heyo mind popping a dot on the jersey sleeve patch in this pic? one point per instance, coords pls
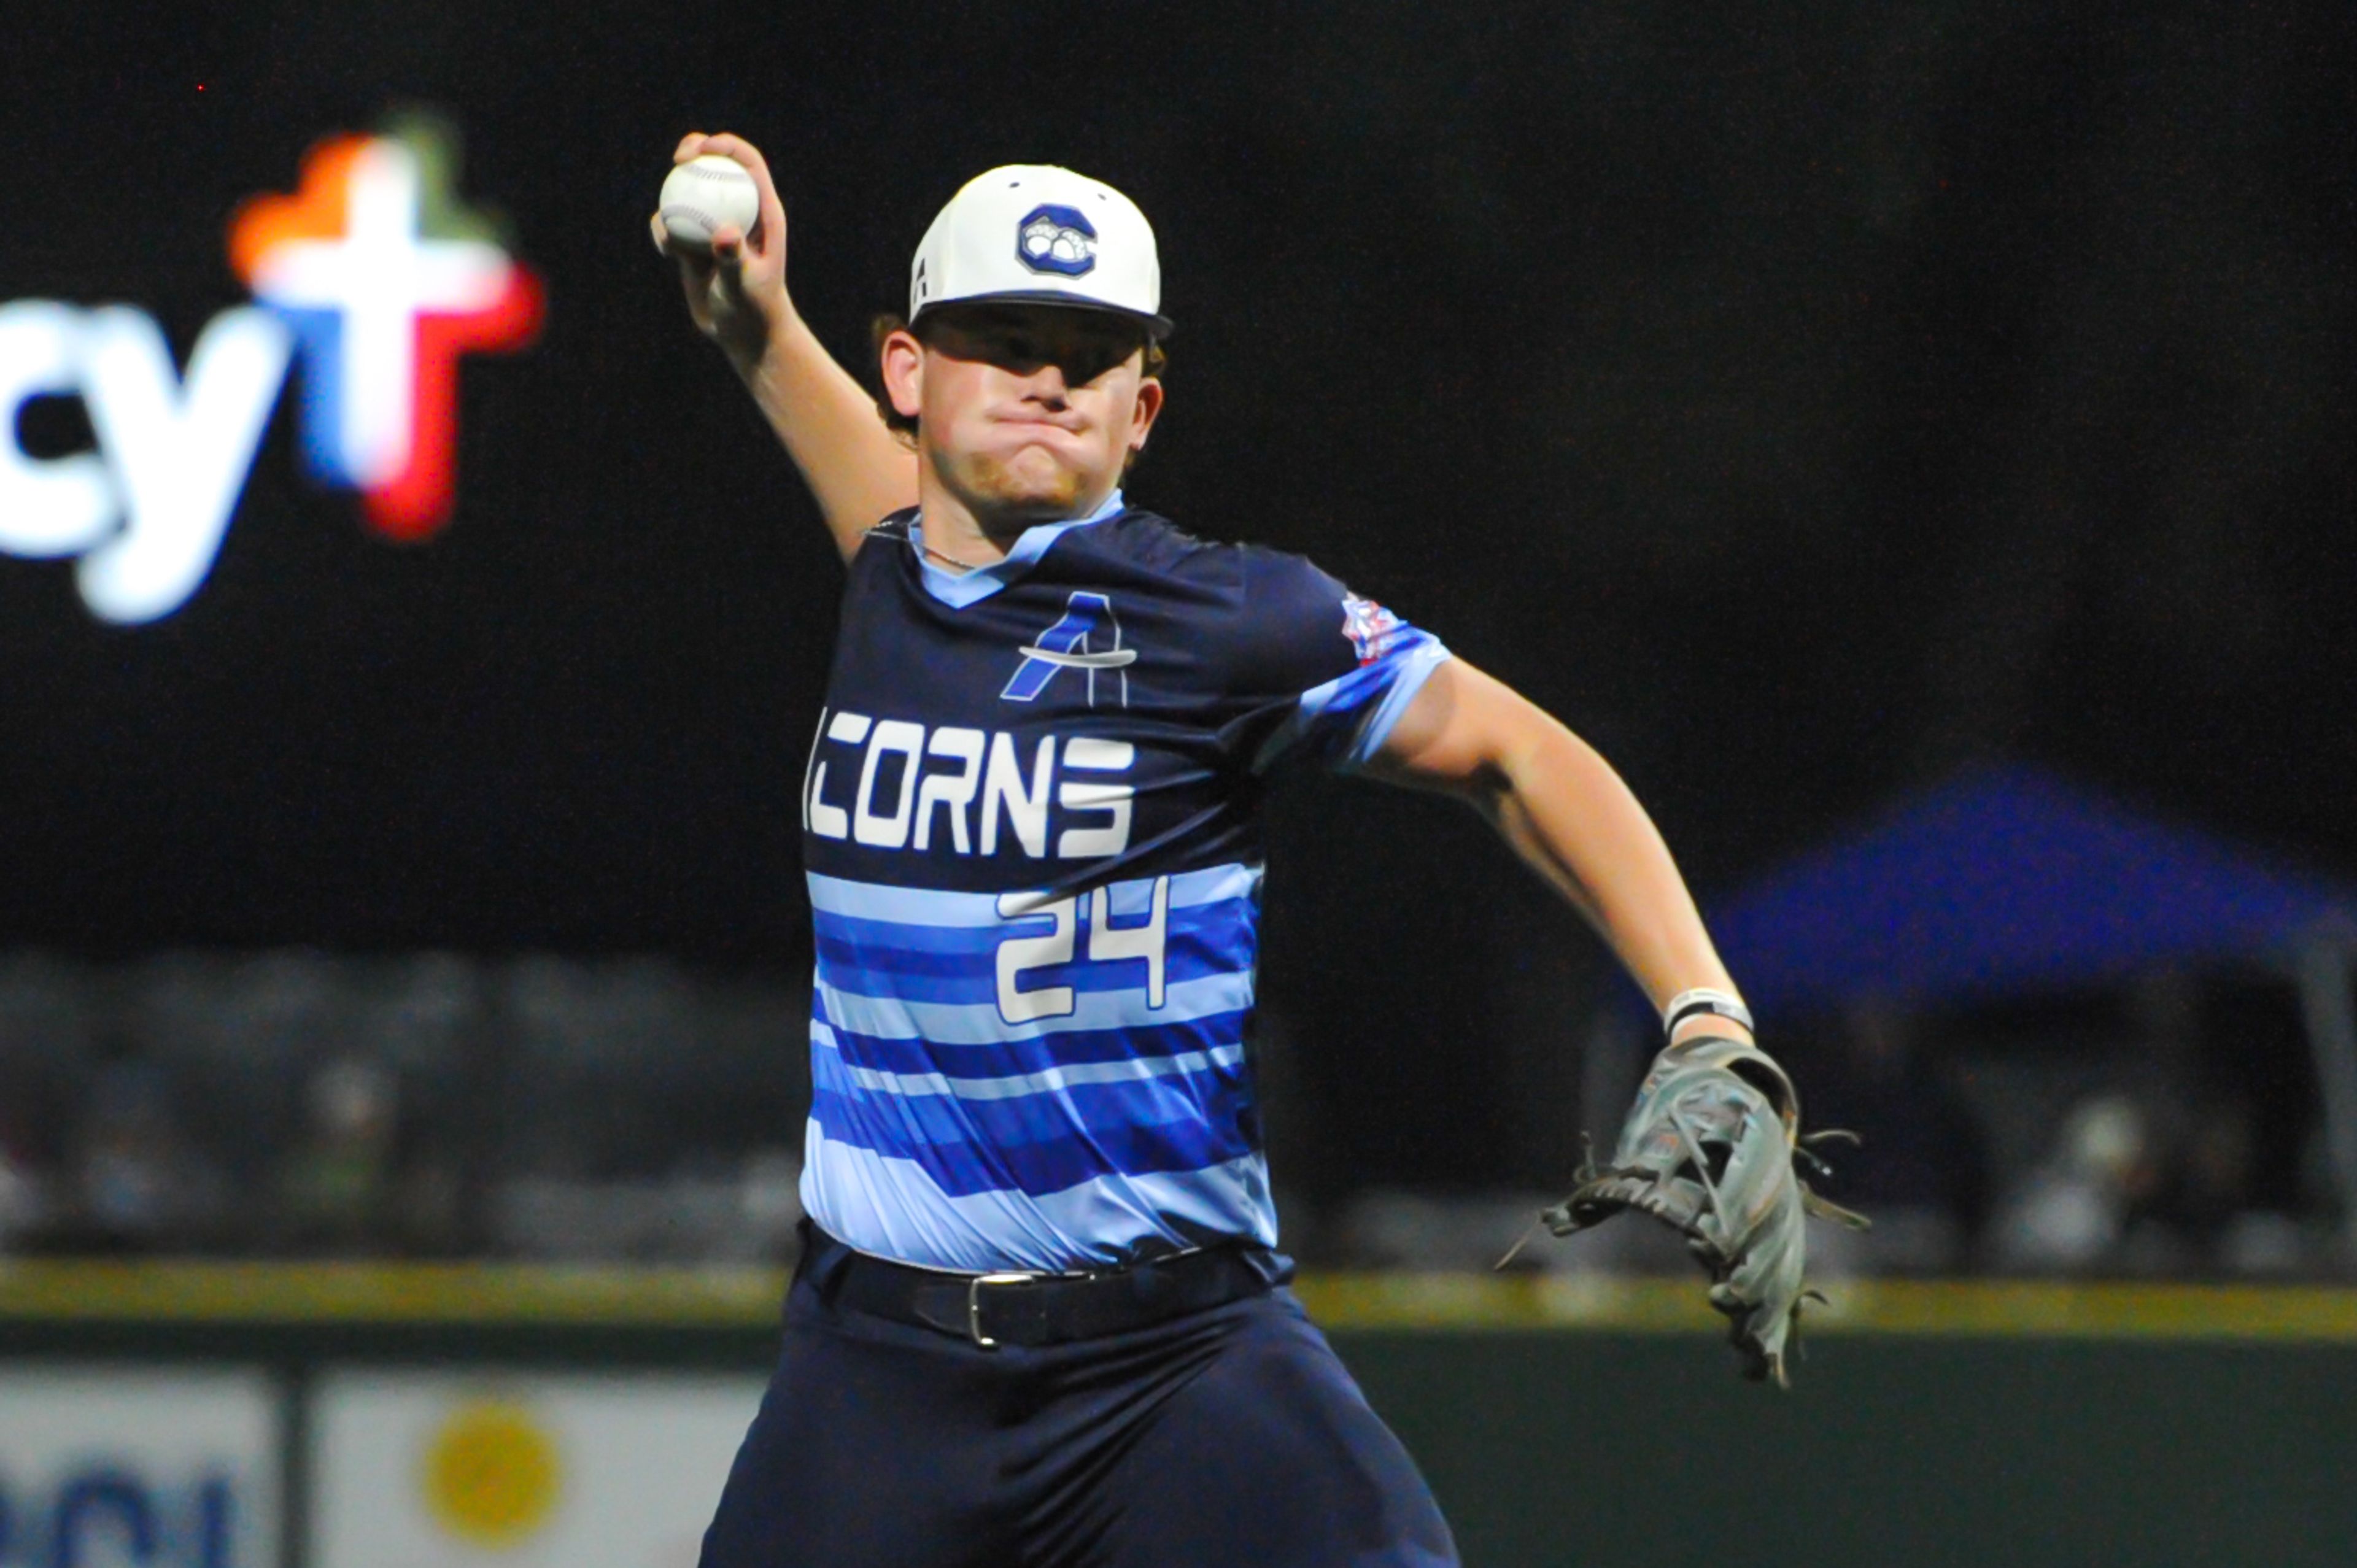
(1345, 722)
(1373, 629)
(1350, 668)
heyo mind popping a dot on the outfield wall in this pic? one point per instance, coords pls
(376, 1417)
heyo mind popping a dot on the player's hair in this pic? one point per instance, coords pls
(904, 426)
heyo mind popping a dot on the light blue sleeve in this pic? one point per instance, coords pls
(1345, 721)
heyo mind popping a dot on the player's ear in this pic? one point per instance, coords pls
(1141, 417)
(903, 368)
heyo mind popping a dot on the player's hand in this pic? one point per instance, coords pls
(736, 291)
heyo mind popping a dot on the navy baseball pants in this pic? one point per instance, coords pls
(1227, 1438)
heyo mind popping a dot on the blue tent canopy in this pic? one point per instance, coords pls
(2003, 881)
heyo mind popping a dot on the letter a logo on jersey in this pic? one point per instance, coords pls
(1067, 645)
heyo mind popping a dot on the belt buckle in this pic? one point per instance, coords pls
(974, 1301)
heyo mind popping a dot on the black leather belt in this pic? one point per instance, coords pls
(1016, 1307)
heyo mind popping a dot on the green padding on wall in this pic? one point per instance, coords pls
(35, 1292)
(1611, 1450)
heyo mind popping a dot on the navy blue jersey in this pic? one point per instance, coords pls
(1033, 833)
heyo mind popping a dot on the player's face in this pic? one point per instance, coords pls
(1026, 413)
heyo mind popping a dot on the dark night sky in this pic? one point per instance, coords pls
(1800, 399)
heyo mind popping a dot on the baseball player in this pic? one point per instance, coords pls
(1041, 1318)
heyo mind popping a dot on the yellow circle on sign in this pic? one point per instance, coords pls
(491, 1474)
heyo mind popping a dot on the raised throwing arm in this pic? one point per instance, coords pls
(856, 469)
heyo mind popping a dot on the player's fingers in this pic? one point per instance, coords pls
(728, 258)
(690, 146)
(770, 229)
(730, 146)
(696, 274)
(661, 235)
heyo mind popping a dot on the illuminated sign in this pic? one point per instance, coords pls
(385, 281)
(372, 273)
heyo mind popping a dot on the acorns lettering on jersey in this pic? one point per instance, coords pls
(963, 787)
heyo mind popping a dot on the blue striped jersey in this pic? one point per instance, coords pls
(1032, 830)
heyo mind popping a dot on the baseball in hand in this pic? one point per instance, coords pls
(702, 194)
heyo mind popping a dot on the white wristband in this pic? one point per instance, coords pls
(1703, 999)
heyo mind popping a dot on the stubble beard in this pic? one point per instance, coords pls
(1011, 494)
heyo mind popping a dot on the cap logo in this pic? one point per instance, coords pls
(1059, 240)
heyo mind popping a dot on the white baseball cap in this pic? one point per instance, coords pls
(1042, 235)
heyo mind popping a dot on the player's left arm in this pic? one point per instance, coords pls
(1566, 813)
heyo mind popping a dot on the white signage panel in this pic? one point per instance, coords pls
(101, 1468)
(449, 1470)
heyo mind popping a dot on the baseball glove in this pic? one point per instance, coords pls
(1710, 1148)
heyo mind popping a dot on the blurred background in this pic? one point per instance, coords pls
(1913, 440)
